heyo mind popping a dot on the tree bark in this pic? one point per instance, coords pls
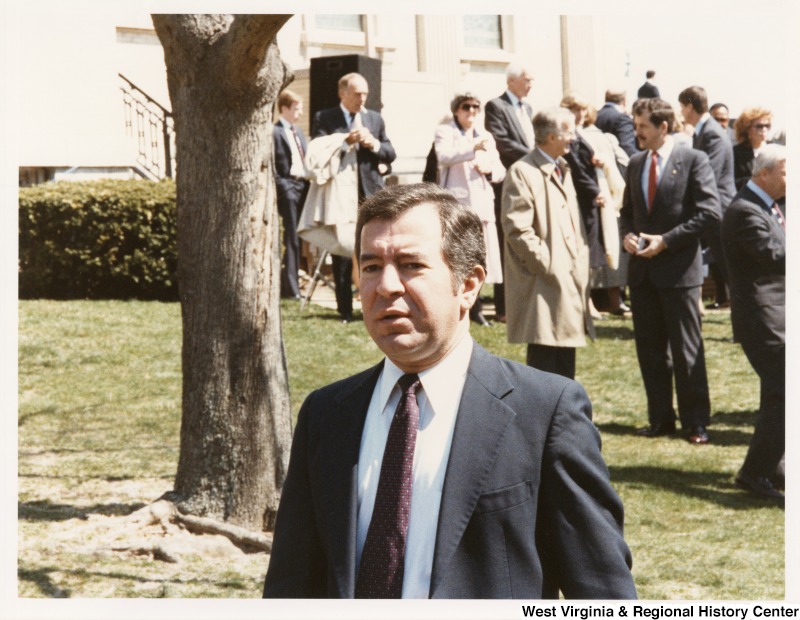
(224, 73)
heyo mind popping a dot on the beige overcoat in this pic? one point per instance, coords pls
(546, 254)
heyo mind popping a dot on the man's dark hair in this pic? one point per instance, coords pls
(696, 97)
(656, 110)
(463, 245)
(650, 74)
(717, 106)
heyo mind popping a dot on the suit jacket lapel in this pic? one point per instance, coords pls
(481, 422)
(343, 429)
(511, 113)
(669, 172)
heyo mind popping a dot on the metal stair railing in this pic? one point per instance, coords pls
(154, 128)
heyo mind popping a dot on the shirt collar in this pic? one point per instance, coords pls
(514, 99)
(438, 381)
(546, 156)
(286, 124)
(699, 127)
(768, 200)
(347, 113)
(665, 150)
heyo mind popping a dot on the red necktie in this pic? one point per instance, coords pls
(777, 211)
(652, 182)
(382, 559)
(559, 174)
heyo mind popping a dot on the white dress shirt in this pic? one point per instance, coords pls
(298, 168)
(663, 157)
(438, 401)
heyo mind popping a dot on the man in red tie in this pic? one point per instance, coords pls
(443, 471)
(670, 201)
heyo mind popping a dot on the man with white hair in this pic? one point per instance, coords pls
(508, 119)
(754, 240)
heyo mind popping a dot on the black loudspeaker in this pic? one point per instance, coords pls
(324, 80)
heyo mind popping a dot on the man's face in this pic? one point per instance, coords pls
(722, 116)
(521, 84)
(407, 298)
(686, 112)
(560, 143)
(774, 181)
(294, 112)
(648, 135)
(354, 96)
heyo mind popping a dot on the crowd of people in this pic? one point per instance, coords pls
(618, 208)
(447, 472)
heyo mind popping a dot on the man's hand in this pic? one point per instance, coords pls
(599, 201)
(353, 137)
(644, 245)
(481, 144)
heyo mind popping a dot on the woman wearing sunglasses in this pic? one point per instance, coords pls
(752, 130)
(468, 165)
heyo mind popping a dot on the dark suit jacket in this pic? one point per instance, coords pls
(713, 141)
(500, 120)
(611, 120)
(584, 178)
(648, 91)
(332, 120)
(743, 157)
(686, 206)
(289, 190)
(755, 248)
(527, 508)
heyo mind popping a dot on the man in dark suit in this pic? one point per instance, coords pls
(754, 238)
(648, 90)
(712, 139)
(363, 130)
(289, 149)
(508, 119)
(613, 119)
(670, 200)
(508, 496)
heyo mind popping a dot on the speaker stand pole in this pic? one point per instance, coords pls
(314, 280)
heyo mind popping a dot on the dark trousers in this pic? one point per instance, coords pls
(289, 208)
(499, 289)
(343, 281)
(669, 342)
(768, 442)
(558, 360)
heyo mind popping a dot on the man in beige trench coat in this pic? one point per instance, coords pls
(546, 250)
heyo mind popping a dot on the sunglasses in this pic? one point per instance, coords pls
(762, 126)
(469, 106)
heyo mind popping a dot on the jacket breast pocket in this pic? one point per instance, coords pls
(505, 498)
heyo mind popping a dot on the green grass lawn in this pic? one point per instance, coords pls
(99, 417)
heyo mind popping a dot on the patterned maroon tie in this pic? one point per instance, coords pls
(652, 182)
(382, 559)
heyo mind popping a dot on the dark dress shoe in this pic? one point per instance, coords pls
(656, 430)
(698, 435)
(758, 485)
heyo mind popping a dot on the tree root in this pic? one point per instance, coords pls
(161, 531)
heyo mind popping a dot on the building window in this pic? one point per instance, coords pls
(483, 31)
(351, 23)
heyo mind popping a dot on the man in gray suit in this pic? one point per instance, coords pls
(478, 478)
(712, 139)
(754, 238)
(508, 119)
(670, 201)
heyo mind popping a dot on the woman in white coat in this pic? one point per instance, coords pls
(468, 165)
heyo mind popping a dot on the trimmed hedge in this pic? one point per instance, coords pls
(98, 239)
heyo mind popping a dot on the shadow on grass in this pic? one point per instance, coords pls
(41, 577)
(719, 430)
(613, 332)
(716, 487)
(44, 510)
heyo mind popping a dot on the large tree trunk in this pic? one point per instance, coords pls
(224, 73)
